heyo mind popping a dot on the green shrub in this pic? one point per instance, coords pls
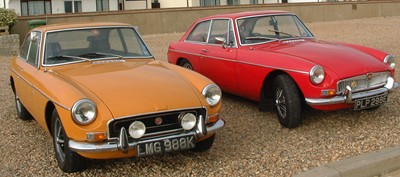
(8, 17)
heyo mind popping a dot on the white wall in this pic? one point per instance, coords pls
(131, 5)
(173, 3)
(15, 4)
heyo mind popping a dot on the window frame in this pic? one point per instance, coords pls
(27, 7)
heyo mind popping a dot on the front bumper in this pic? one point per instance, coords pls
(122, 144)
(349, 96)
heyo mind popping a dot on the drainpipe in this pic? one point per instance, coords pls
(4, 1)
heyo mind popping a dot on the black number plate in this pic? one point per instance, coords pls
(165, 145)
(369, 102)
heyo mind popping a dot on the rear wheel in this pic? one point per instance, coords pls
(68, 160)
(22, 113)
(204, 145)
(186, 64)
(287, 101)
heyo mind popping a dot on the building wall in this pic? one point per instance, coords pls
(16, 5)
(173, 4)
(164, 20)
(135, 5)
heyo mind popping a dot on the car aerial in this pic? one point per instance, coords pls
(96, 88)
(271, 57)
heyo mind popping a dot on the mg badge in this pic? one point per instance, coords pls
(158, 121)
(354, 84)
(369, 76)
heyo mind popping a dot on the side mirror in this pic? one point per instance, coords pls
(34, 36)
(222, 41)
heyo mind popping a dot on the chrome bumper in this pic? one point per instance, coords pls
(349, 96)
(122, 144)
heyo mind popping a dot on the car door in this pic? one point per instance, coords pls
(26, 67)
(219, 55)
(194, 45)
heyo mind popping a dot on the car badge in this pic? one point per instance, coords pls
(158, 121)
(353, 84)
(369, 76)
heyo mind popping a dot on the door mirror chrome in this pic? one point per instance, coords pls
(222, 41)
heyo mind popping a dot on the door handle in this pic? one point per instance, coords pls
(204, 50)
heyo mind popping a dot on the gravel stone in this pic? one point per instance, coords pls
(252, 143)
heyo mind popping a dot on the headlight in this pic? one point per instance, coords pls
(188, 120)
(212, 93)
(84, 112)
(389, 59)
(137, 129)
(317, 74)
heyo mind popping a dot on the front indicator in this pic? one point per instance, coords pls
(329, 92)
(95, 136)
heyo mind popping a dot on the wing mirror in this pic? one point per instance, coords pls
(34, 36)
(222, 41)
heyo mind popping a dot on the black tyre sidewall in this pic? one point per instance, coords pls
(204, 145)
(186, 62)
(22, 113)
(292, 100)
(72, 162)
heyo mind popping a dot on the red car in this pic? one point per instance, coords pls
(271, 57)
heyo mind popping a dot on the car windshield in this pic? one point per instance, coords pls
(262, 29)
(77, 45)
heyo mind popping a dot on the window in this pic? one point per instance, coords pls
(253, 1)
(233, 2)
(200, 32)
(102, 5)
(29, 50)
(73, 6)
(35, 7)
(210, 2)
(222, 29)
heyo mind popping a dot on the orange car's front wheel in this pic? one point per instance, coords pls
(68, 160)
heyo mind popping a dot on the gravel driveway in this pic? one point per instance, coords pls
(251, 144)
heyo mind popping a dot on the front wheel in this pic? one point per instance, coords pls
(22, 113)
(68, 160)
(186, 64)
(204, 145)
(287, 101)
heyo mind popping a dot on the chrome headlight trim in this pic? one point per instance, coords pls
(212, 94)
(188, 120)
(137, 129)
(317, 74)
(84, 112)
(389, 60)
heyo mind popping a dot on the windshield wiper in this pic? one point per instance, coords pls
(100, 54)
(68, 57)
(281, 32)
(260, 38)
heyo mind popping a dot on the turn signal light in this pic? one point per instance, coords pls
(213, 119)
(96, 136)
(329, 92)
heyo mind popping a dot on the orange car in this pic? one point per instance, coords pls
(99, 92)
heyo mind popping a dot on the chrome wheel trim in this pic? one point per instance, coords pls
(59, 140)
(188, 66)
(280, 103)
(18, 105)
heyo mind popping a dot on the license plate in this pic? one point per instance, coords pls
(165, 145)
(369, 102)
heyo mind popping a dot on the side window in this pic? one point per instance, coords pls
(200, 32)
(33, 56)
(30, 48)
(25, 47)
(219, 29)
(231, 36)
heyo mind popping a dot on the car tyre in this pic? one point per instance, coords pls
(204, 145)
(186, 64)
(287, 101)
(68, 160)
(22, 113)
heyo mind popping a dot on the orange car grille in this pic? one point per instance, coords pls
(170, 123)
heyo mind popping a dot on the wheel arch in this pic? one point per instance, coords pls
(266, 101)
(179, 61)
(48, 114)
(12, 84)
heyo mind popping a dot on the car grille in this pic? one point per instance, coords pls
(170, 123)
(363, 82)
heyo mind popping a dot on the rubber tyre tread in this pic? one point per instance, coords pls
(204, 145)
(73, 162)
(293, 103)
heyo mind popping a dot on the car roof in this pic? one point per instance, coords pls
(246, 14)
(62, 26)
